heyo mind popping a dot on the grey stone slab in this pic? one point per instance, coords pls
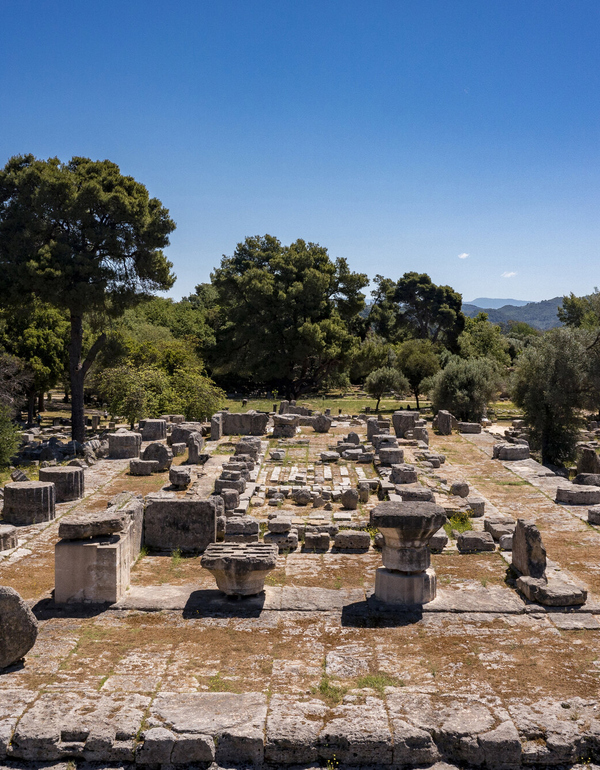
(236, 721)
(476, 599)
(571, 622)
(357, 735)
(293, 728)
(87, 725)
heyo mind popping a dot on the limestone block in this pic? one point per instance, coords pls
(195, 444)
(349, 499)
(438, 541)
(154, 430)
(473, 542)
(421, 434)
(469, 427)
(178, 449)
(476, 505)
(280, 524)
(224, 483)
(18, 627)
(81, 526)
(186, 524)
(511, 452)
(403, 474)
(588, 461)
(404, 588)
(69, 482)
(241, 529)
(445, 422)
(578, 495)
(384, 441)
(459, 488)
(391, 456)
(143, 467)
(316, 541)
(403, 422)
(285, 541)
(593, 516)
(240, 570)
(528, 552)
(94, 571)
(497, 527)
(284, 426)
(124, 444)
(8, 537)
(249, 423)
(180, 476)
(505, 542)
(364, 490)
(302, 496)
(352, 540)
(182, 431)
(415, 493)
(321, 423)
(216, 427)
(28, 502)
(161, 453)
(352, 438)
(551, 593)
(279, 454)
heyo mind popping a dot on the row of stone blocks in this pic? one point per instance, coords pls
(33, 502)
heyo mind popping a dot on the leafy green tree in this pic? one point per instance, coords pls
(580, 312)
(385, 380)
(370, 354)
(84, 238)
(551, 385)
(196, 395)
(417, 360)
(135, 392)
(284, 314)
(37, 334)
(416, 307)
(482, 339)
(9, 436)
(465, 387)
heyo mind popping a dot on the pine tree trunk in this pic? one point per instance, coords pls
(76, 377)
(30, 406)
(77, 372)
(41, 401)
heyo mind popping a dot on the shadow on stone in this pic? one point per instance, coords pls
(210, 603)
(47, 608)
(374, 614)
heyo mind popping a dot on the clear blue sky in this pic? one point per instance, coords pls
(397, 134)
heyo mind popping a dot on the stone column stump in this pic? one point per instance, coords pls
(154, 430)
(124, 445)
(28, 502)
(406, 577)
(240, 569)
(69, 482)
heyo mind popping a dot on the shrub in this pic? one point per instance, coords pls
(465, 387)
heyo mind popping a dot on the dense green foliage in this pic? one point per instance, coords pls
(551, 384)
(83, 238)
(385, 380)
(285, 314)
(417, 360)
(9, 436)
(465, 387)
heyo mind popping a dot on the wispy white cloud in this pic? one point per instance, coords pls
(464, 255)
(506, 274)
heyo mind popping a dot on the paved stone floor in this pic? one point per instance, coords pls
(315, 667)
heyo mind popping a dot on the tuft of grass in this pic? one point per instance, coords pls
(332, 694)
(176, 558)
(460, 521)
(217, 684)
(379, 682)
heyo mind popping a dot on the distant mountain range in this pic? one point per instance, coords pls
(486, 302)
(540, 315)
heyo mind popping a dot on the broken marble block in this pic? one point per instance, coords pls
(316, 541)
(349, 499)
(178, 449)
(473, 542)
(180, 476)
(528, 552)
(154, 430)
(593, 516)
(240, 569)
(403, 474)
(459, 488)
(28, 502)
(18, 627)
(142, 467)
(241, 529)
(69, 482)
(578, 495)
(161, 453)
(476, 506)
(438, 541)
(551, 593)
(352, 540)
(391, 455)
(511, 452)
(124, 444)
(499, 526)
(8, 537)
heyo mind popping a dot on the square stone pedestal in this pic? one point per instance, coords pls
(408, 589)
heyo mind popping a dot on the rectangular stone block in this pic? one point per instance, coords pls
(175, 523)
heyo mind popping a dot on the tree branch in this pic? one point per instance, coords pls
(93, 352)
